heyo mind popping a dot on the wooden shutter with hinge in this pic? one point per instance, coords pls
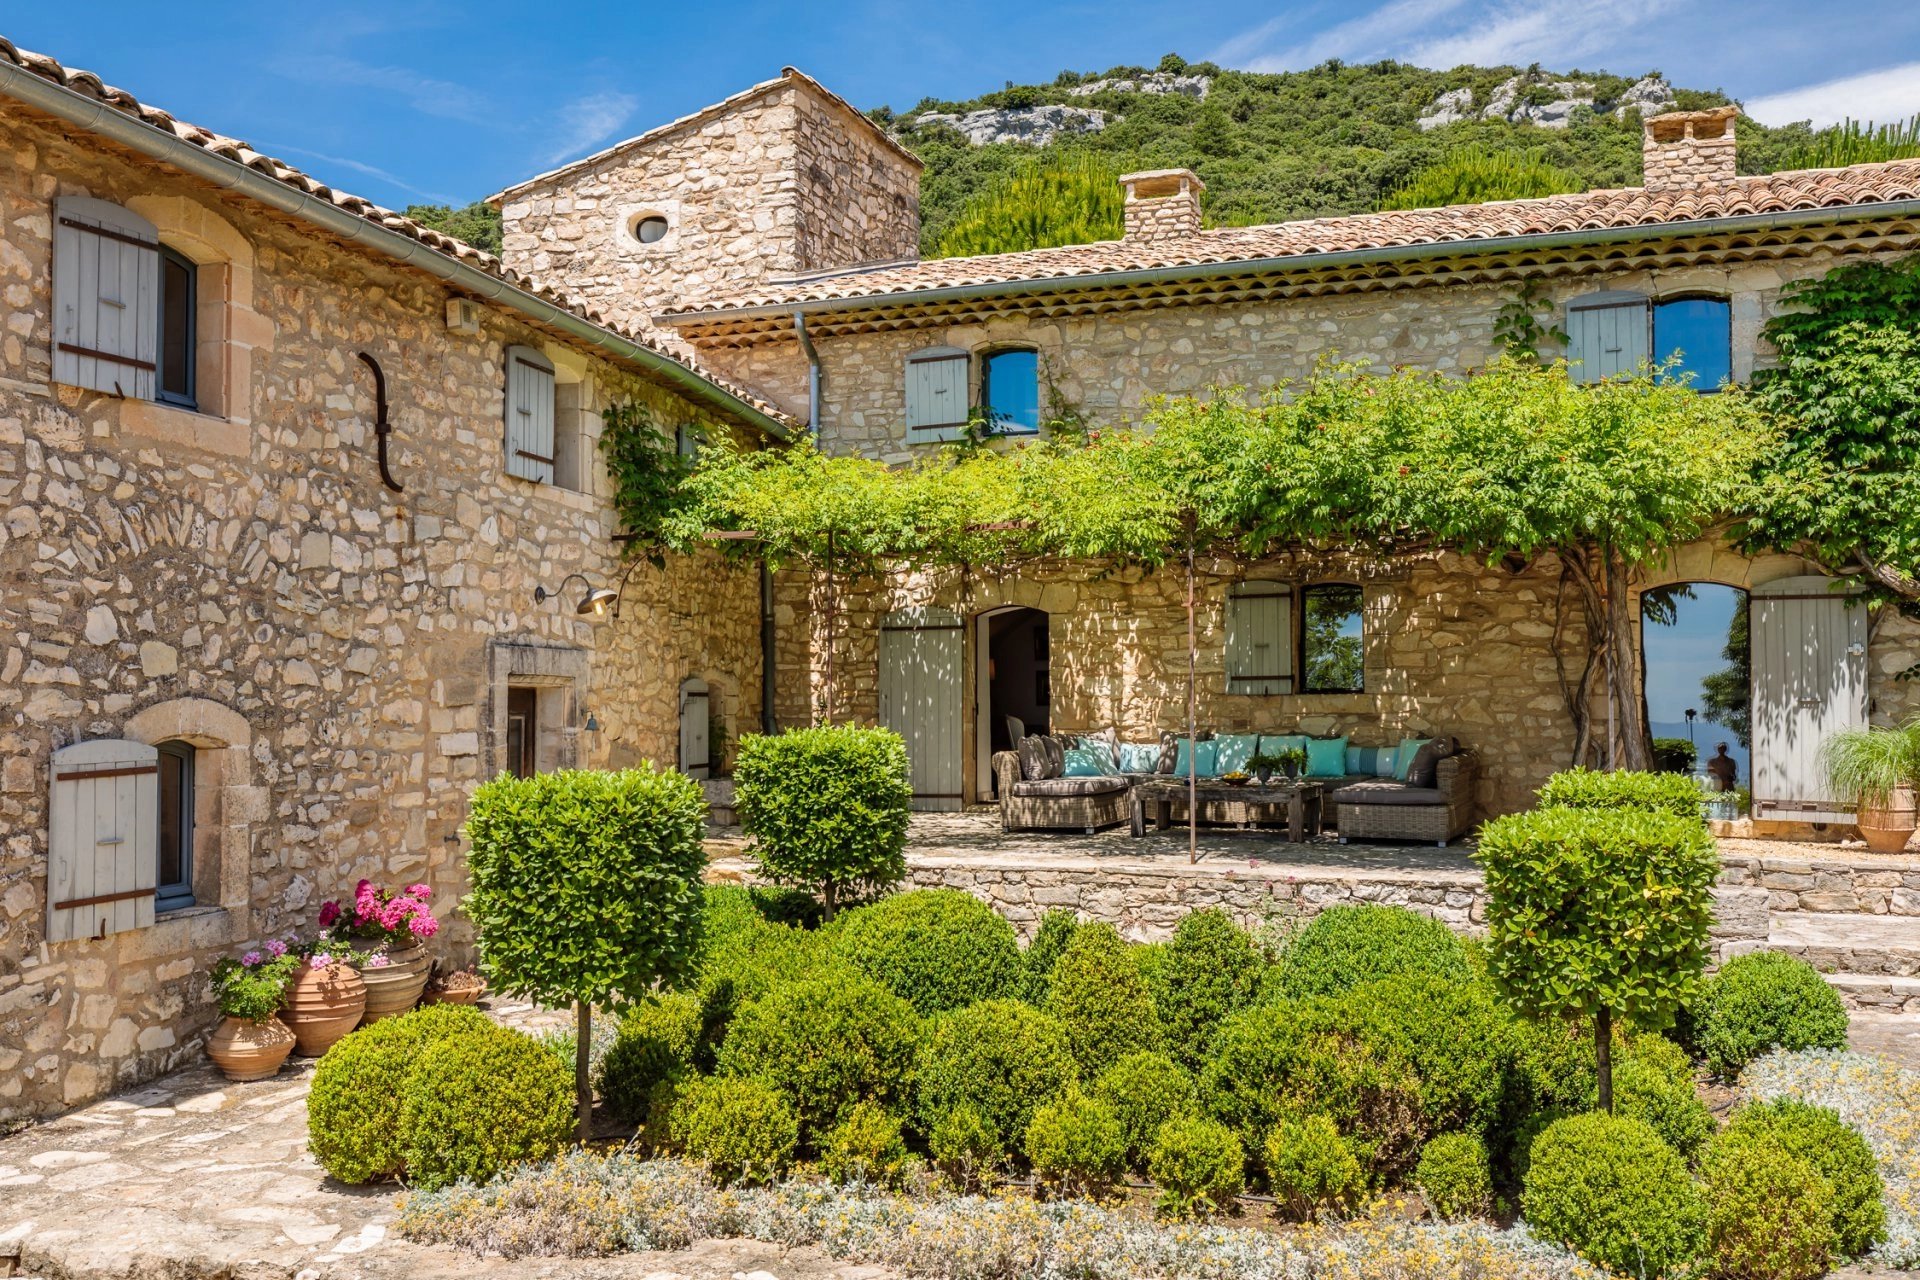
(103, 828)
(529, 442)
(936, 394)
(1609, 335)
(106, 297)
(1259, 638)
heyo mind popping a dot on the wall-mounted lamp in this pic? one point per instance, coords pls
(592, 725)
(595, 601)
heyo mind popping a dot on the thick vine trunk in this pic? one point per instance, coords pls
(582, 1077)
(1193, 721)
(1629, 741)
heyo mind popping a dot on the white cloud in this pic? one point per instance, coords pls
(1358, 38)
(589, 120)
(425, 94)
(358, 166)
(1884, 96)
(1447, 33)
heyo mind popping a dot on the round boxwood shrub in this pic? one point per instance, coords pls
(998, 1058)
(1199, 1166)
(1145, 1091)
(1456, 1037)
(1609, 1189)
(742, 1130)
(1835, 1150)
(1280, 1061)
(480, 1101)
(1766, 1000)
(937, 949)
(1769, 1213)
(1057, 928)
(1345, 946)
(1650, 1091)
(1582, 788)
(825, 1045)
(1100, 998)
(866, 1147)
(965, 1148)
(658, 1038)
(353, 1110)
(1074, 1145)
(1208, 972)
(1455, 1176)
(1311, 1170)
(744, 955)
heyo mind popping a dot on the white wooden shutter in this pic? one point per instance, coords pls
(1809, 648)
(103, 830)
(936, 394)
(1260, 638)
(922, 679)
(1608, 335)
(106, 297)
(695, 744)
(529, 442)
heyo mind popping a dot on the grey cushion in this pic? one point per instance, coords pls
(1070, 786)
(1035, 760)
(1421, 772)
(1056, 755)
(1386, 791)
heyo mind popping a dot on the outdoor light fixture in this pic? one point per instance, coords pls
(592, 725)
(594, 602)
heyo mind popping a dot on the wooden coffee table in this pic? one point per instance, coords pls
(1303, 801)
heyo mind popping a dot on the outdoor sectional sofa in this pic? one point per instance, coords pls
(1432, 802)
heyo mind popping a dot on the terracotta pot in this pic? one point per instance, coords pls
(455, 995)
(249, 1050)
(395, 987)
(323, 1005)
(1887, 828)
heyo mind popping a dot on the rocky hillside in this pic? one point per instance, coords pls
(1335, 139)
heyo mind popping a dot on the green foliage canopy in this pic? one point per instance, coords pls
(1475, 175)
(1069, 198)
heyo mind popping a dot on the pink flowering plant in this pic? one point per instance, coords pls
(389, 920)
(255, 986)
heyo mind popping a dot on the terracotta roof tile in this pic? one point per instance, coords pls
(645, 334)
(1865, 184)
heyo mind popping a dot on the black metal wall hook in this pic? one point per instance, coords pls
(381, 427)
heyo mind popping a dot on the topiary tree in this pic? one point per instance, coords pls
(826, 807)
(1610, 1190)
(586, 887)
(353, 1110)
(866, 1148)
(1579, 788)
(1199, 1166)
(998, 1059)
(1345, 946)
(1311, 1170)
(1208, 972)
(1056, 930)
(1598, 915)
(938, 949)
(1765, 1000)
(657, 1040)
(1769, 1214)
(1075, 1146)
(742, 1130)
(479, 1102)
(1100, 998)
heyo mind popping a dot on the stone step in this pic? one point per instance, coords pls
(1877, 992)
(1850, 943)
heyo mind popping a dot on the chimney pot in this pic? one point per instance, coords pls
(1162, 204)
(1682, 150)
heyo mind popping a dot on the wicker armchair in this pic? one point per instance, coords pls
(1057, 804)
(1393, 811)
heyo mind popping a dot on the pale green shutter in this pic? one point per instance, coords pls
(936, 394)
(1609, 335)
(1260, 638)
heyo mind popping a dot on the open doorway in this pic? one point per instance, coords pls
(1014, 656)
(1694, 636)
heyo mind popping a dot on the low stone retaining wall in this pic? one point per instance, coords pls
(1873, 884)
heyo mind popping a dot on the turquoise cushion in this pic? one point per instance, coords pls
(1206, 761)
(1088, 762)
(1274, 743)
(1403, 758)
(1235, 749)
(1384, 761)
(1326, 757)
(1139, 757)
(1361, 761)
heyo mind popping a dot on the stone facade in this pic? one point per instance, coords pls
(776, 182)
(339, 656)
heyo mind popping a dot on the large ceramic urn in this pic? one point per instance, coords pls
(395, 985)
(324, 1004)
(249, 1050)
(1887, 827)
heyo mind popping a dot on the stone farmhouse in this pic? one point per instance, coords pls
(304, 528)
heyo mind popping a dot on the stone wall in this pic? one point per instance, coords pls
(778, 182)
(338, 654)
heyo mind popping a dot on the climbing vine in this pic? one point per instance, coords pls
(1519, 328)
(649, 474)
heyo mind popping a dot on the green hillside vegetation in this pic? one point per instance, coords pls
(1072, 197)
(1858, 142)
(1475, 175)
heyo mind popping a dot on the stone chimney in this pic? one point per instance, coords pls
(1162, 204)
(1682, 150)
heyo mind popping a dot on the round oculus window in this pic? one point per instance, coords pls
(650, 229)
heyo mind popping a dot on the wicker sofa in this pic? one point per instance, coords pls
(1057, 804)
(1382, 809)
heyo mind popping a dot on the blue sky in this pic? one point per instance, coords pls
(408, 102)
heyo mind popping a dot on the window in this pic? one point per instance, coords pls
(1332, 637)
(1010, 391)
(936, 394)
(106, 278)
(1259, 643)
(650, 228)
(529, 426)
(1606, 336)
(1699, 331)
(173, 883)
(173, 380)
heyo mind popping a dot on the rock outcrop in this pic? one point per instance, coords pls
(1036, 126)
(1195, 87)
(1547, 102)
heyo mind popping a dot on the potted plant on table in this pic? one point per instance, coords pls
(393, 928)
(1877, 770)
(251, 1042)
(1263, 764)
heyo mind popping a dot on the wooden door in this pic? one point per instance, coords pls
(695, 746)
(523, 732)
(921, 681)
(1809, 682)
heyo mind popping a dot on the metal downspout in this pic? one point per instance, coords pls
(769, 667)
(813, 374)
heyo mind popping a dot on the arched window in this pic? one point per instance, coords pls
(1332, 639)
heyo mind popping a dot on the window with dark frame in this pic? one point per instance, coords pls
(1010, 391)
(1332, 639)
(173, 379)
(173, 883)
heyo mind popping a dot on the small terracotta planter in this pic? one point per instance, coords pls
(1887, 828)
(395, 987)
(323, 1005)
(247, 1050)
(467, 988)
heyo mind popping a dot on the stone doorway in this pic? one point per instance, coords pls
(1013, 653)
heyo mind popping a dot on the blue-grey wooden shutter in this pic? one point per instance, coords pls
(106, 297)
(936, 394)
(529, 442)
(1608, 335)
(1260, 638)
(103, 831)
